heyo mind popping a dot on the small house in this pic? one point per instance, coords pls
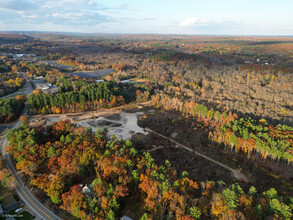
(125, 218)
(87, 191)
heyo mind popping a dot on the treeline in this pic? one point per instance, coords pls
(129, 91)
(85, 65)
(91, 97)
(14, 83)
(82, 64)
(14, 39)
(69, 60)
(76, 95)
(10, 82)
(52, 56)
(171, 56)
(62, 159)
(259, 68)
(72, 61)
(5, 66)
(33, 69)
(250, 135)
(244, 134)
(11, 108)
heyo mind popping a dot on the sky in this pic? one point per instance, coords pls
(194, 17)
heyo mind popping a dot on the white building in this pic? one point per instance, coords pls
(99, 80)
(125, 218)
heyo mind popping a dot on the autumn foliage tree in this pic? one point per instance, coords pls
(94, 176)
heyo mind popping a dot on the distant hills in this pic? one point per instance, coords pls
(6, 38)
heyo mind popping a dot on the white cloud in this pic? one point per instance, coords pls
(55, 12)
(188, 22)
(122, 5)
(31, 16)
(199, 22)
(16, 5)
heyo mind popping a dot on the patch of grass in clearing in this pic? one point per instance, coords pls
(3, 190)
(7, 200)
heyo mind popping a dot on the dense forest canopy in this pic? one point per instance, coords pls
(229, 97)
(77, 95)
(11, 108)
(60, 157)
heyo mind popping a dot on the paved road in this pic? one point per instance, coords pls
(3, 127)
(18, 92)
(34, 205)
(28, 86)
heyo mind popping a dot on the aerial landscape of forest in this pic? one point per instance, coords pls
(143, 124)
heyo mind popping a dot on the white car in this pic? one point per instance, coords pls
(18, 210)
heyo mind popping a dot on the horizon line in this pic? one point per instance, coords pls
(107, 33)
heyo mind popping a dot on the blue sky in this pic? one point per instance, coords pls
(215, 17)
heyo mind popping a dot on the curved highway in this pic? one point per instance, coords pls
(33, 204)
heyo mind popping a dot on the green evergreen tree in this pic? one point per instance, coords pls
(144, 217)
(195, 212)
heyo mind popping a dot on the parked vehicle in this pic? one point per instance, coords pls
(18, 210)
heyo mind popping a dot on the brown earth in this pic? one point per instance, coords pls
(195, 136)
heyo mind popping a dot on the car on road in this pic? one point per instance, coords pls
(18, 210)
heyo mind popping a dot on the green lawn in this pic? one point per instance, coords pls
(3, 190)
(6, 197)
(7, 200)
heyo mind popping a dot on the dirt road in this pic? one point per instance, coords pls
(235, 173)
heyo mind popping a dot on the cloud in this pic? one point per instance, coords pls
(56, 12)
(122, 5)
(16, 5)
(195, 22)
(195, 25)
(188, 22)
(31, 16)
